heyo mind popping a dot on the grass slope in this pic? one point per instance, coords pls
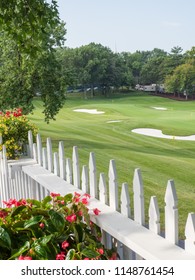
(158, 159)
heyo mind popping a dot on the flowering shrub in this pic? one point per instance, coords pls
(58, 227)
(14, 129)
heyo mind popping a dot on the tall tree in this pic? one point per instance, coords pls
(29, 34)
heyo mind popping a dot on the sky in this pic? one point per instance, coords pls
(129, 25)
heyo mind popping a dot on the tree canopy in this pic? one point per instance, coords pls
(30, 31)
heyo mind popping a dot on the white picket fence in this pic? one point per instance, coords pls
(43, 172)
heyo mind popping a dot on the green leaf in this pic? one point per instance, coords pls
(70, 254)
(57, 220)
(89, 253)
(17, 210)
(41, 251)
(33, 221)
(45, 239)
(68, 198)
(79, 234)
(5, 240)
(46, 200)
(23, 249)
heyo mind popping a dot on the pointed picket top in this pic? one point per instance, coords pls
(56, 164)
(190, 234)
(171, 195)
(76, 169)
(39, 149)
(171, 213)
(62, 160)
(92, 175)
(103, 197)
(49, 154)
(69, 178)
(85, 179)
(113, 186)
(154, 215)
(44, 151)
(138, 197)
(30, 143)
(125, 201)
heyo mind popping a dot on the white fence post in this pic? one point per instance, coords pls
(30, 143)
(76, 169)
(171, 213)
(62, 160)
(125, 201)
(190, 234)
(92, 176)
(154, 215)
(138, 190)
(113, 186)
(103, 192)
(49, 154)
(69, 170)
(85, 179)
(39, 149)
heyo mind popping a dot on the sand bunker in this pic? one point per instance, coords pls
(158, 133)
(160, 108)
(89, 111)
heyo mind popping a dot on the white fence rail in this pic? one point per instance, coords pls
(44, 172)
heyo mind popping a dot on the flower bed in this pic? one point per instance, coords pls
(14, 127)
(56, 228)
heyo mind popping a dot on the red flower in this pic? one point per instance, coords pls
(96, 211)
(22, 258)
(65, 244)
(60, 256)
(71, 218)
(101, 251)
(41, 225)
(54, 194)
(84, 200)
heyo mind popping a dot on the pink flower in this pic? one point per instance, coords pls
(54, 194)
(84, 200)
(22, 258)
(87, 195)
(96, 211)
(41, 225)
(60, 256)
(65, 244)
(71, 218)
(101, 251)
(86, 259)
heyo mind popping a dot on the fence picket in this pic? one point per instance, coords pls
(76, 169)
(171, 213)
(138, 198)
(103, 196)
(69, 171)
(125, 201)
(113, 186)
(190, 234)
(45, 163)
(92, 176)
(56, 164)
(85, 179)
(39, 149)
(49, 154)
(154, 215)
(30, 143)
(62, 161)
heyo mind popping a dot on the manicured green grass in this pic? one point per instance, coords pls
(158, 159)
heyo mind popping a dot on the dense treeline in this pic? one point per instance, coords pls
(34, 59)
(94, 65)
